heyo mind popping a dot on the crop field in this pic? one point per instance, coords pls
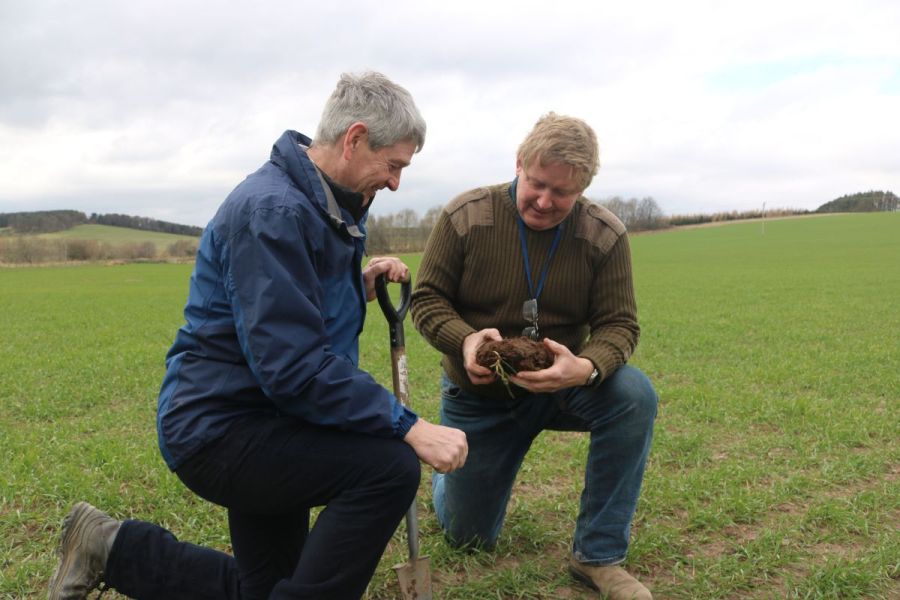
(775, 468)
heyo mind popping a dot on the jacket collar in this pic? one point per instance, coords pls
(289, 153)
(334, 205)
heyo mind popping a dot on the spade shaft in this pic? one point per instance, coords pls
(415, 574)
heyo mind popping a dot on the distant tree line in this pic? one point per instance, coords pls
(145, 224)
(50, 221)
(734, 215)
(42, 221)
(870, 201)
(400, 232)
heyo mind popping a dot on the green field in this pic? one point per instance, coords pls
(118, 235)
(775, 465)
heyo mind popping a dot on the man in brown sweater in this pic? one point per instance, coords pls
(534, 257)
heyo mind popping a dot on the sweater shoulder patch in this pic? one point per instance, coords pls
(600, 226)
(470, 209)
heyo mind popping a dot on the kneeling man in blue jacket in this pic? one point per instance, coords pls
(264, 409)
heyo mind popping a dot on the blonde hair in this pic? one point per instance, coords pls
(566, 140)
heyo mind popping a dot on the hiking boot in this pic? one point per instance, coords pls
(613, 582)
(86, 539)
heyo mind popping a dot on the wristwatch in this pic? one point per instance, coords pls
(592, 377)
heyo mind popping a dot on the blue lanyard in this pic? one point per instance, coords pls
(528, 263)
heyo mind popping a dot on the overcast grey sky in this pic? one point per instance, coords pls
(160, 108)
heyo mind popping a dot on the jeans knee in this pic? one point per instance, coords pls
(468, 534)
(636, 392)
(464, 529)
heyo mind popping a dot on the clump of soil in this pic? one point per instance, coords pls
(515, 354)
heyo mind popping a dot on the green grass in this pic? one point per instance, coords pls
(118, 235)
(774, 470)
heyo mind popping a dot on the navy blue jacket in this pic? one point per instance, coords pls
(273, 316)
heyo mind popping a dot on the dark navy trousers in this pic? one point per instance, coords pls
(268, 472)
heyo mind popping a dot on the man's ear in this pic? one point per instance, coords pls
(357, 133)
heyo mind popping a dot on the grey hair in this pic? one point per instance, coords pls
(386, 108)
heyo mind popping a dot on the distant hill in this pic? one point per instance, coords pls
(871, 201)
(110, 234)
(49, 221)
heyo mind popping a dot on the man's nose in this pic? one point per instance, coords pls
(543, 201)
(393, 182)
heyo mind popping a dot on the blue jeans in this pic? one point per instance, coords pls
(471, 503)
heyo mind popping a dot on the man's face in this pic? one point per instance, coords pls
(371, 170)
(545, 194)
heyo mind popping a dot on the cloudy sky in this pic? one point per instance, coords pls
(159, 108)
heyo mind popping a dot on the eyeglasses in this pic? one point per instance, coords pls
(530, 314)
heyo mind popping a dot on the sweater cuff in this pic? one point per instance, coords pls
(606, 363)
(451, 335)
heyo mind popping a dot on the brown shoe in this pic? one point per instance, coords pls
(613, 582)
(86, 539)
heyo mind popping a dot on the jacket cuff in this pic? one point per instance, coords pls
(407, 419)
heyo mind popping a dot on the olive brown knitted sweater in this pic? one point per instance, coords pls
(472, 277)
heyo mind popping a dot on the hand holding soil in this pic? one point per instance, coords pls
(507, 357)
(567, 370)
(478, 374)
(545, 366)
(513, 355)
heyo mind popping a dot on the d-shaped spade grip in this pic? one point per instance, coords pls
(394, 315)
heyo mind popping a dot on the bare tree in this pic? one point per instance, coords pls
(637, 214)
(430, 219)
(648, 214)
